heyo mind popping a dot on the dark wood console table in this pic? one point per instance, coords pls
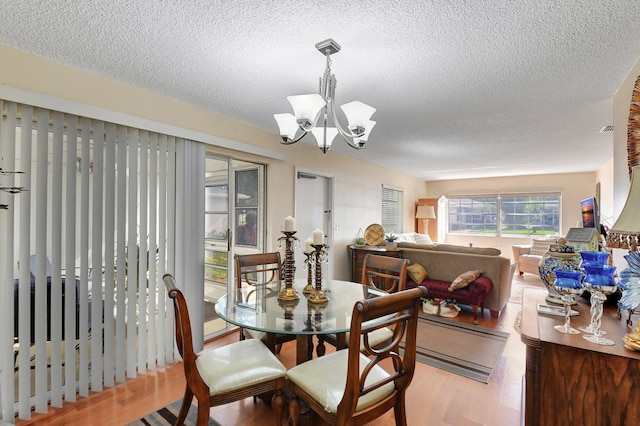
(357, 254)
(569, 380)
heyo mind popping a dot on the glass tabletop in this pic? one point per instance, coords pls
(258, 308)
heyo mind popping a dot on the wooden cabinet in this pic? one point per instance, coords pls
(357, 255)
(571, 381)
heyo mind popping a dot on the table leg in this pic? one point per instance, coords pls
(304, 348)
(271, 342)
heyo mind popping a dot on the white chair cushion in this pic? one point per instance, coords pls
(324, 379)
(375, 337)
(237, 365)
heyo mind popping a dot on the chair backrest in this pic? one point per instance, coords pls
(257, 269)
(386, 273)
(401, 310)
(184, 338)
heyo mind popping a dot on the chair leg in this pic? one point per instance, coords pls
(475, 314)
(186, 404)
(277, 404)
(294, 410)
(399, 411)
(203, 413)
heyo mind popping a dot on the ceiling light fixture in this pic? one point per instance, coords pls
(312, 112)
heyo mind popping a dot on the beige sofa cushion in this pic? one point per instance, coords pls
(487, 251)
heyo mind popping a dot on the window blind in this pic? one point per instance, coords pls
(97, 222)
(392, 219)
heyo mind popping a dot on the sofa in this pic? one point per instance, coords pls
(445, 262)
(528, 256)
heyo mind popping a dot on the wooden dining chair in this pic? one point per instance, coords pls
(385, 273)
(226, 374)
(351, 388)
(255, 270)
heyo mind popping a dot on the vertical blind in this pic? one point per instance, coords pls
(82, 253)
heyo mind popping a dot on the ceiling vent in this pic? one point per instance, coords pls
(607, 129)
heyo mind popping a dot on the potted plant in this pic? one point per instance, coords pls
(359, 240)
(390, 239)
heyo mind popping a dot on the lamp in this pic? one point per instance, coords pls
(425, 213)
(314, 109)
(625, 233)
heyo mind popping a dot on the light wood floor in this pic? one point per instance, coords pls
(435, 397)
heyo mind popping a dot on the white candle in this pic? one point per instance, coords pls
(289, 224)
(308, 247)
(318, 236)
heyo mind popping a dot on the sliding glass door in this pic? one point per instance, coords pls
(234, 223)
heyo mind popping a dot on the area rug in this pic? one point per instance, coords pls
(168, 415)
(519, 283)
(468, 350)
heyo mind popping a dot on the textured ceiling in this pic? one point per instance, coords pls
(463, 88)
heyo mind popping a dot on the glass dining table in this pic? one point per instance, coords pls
(258, 308)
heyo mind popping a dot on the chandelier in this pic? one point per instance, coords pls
(312, 112)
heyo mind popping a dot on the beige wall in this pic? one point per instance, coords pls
(573, 187)
(357, 184)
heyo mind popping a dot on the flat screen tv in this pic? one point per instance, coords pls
(590, 213)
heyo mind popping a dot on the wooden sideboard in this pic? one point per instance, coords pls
(569, 380)
(357, 254)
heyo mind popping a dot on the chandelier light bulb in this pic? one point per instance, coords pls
(306, 109)
(287, 125)
(358, 115)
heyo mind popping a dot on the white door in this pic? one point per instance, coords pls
(314, 202)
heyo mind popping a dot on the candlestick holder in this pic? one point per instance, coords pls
(288, 293)
(308, 289)
(318, 296)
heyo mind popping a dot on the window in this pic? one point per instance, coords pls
(512, 214)
(247, 229)
(392, 210)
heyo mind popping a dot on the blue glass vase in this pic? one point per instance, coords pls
(594, 257)
(568, 283)
(600, 283)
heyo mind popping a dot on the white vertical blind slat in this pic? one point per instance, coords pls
(83, 334)
(7, 223)
(70, 258)
(132, 261)
(24, 297)
(143, 250)
(121, 233)
(164, 341)
(153, 282)
(171, 349)
(56, 261)
(96, 255)
(109, 266)
(42, 152)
